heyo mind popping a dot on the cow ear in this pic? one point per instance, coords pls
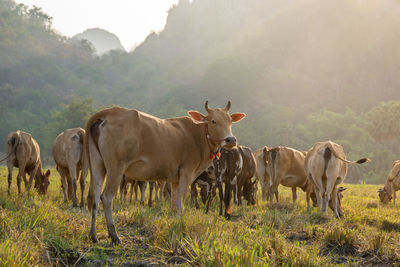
(236, 117)
(47, 173)
(197, 116)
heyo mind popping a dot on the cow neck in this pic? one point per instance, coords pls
(388, 188)
(212, 145)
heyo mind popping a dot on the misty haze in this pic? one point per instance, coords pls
(302, 71)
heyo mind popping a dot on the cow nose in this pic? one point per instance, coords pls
(230, 140)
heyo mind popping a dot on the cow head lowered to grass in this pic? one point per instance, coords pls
(126, 141)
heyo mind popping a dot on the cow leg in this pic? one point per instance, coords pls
(142, 186)
(130, 192)
(162, 188)
(234, 189)
(228, 197)
(96, 183)
(394, 197)
(156, 190)
(334, 202)
(318, 188)
(210, 195)
(122, 187)
(113, 181)
(182, 190)
(31, 177)
(151, 193)
(64, 184)
(239, 192)
(72, 173)
(193, 195)
(136, 188)
(221, 194)
(82, 184)
(174, 196)
(294, 195)
(21, 173)
(10, 169)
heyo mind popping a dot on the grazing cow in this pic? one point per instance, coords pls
(245, 186)
(24, 153)
(326, 166)
(134, 185)
(144, 147)
(262, 173)
(206, 182)
(68, 156)
(227, 169)
(286, 167)
(392, 184)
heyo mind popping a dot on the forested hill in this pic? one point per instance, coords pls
(303, 71)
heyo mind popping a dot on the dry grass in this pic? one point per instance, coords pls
(36, 230)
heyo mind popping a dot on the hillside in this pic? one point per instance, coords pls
(102, 40)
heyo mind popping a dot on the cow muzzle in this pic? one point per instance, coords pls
(229, 142)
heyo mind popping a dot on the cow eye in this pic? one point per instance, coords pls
(213, 122)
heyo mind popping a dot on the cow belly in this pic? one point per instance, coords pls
(147, 171)
(292, 181)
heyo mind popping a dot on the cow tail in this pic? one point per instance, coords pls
(13, 142)
(272, 155)
(334, 152)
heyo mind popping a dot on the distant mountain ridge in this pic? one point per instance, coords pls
(103, 41)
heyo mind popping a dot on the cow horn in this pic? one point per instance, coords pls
(341, 189)
(206, 106)
(228, 106)
(381, 190)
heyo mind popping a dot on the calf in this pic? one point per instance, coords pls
(227, 169)
(326, 167)
(392, 184)
(68, 156)
(286, 167)
(245, 186)
(23, 152)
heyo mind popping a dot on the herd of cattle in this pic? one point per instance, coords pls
(198, 150)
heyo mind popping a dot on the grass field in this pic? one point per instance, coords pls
(42, 230)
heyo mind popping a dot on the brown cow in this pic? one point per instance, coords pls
(392, 184)
(68, 156)
(144, 147)
(326, 166)
(286, 167)
(262, 173)
(23, 152)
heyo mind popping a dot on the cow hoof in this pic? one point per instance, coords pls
(228, 217)
(74, 205)
(93, 237)
(115, 240)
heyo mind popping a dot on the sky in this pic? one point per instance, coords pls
(130, 20)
